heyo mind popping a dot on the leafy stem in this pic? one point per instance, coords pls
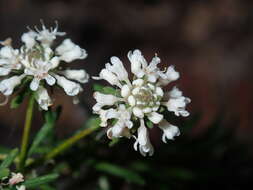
(26, 133)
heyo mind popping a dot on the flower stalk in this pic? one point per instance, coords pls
(69, 142)
(26, 133)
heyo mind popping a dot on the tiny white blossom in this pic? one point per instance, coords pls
(68, 51)
(142, 142)
(29, 39)
(169, 131)
(104, 100)
(47, 36)
(79, 75)
(107, 75)
(143, 99)
(9, 60)
(118, 69)
(177, 103)
(43, 98)
(138, 62)
(7, 86)
(105, 115)
(169, 76)
(122, 126)
(16, 178)
(71, 88)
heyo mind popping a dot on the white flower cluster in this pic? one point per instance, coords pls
(37, 61)
(139, 101)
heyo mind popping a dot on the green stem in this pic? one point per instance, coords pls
(69, 142)
(26, 133)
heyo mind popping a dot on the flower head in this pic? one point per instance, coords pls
(41, 65)
(138, 102)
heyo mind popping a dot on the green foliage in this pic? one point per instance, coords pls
(4, 172)
(36, 182)
(9, 159)
(121, 172)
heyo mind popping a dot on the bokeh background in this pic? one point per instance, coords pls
(210, 42)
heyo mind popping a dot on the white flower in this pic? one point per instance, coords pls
(177, 103)
(7, 86)
(107, 75)
(155, 117)
(16, 178)
(71, 88)
(104, 100)
(169, 76)
(152, 71)
(43, 98)
(46, 36)
(68, 51)
(118, 69)
(138, 62)
(37, 61)
(107, 114)
(123, 124)
(9, 60)
(29, 39)
(79, 75)
(141, 99)
(169, 131)
(143, 142)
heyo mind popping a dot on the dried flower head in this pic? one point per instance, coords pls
(38, 64)
(139, 102)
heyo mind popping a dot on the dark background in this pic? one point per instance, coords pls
(209, 41)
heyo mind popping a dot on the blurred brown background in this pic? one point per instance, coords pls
(209, 42)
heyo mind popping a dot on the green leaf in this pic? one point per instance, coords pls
(36, 182)
(106, 90)
(50, 117)
(41, 135)
(9, 159)
(4, 173)
(115, 170)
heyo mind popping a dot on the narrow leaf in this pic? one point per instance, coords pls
(36, 182)
(9, 159)
(4, 173)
